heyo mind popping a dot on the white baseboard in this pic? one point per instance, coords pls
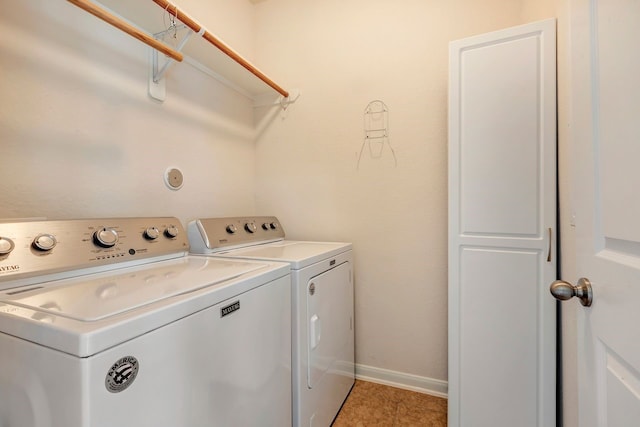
(411, 382)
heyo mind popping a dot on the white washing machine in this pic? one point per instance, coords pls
(110, 322)
(322, 305)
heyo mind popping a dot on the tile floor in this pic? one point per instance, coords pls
(376, 405)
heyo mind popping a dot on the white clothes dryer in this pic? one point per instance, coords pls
(322, 305)
(110, 322)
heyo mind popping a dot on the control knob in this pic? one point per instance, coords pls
(44, 242)
(274, 225)
(250, 227)
(171, 232)
(265, 226)
(6, 245)
(151, 233)
(231, 229)
(105, 237)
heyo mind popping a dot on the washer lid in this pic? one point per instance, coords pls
(299, 254)
(85, 315)
(100, 296)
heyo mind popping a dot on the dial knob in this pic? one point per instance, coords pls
(151, 233)
(231, 229)
(6, 245)
(274, 225)
(105, 237)
(265, 226)
(171, 232)
(250, 227)
(44, 242)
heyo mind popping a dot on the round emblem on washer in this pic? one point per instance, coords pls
(121, 374)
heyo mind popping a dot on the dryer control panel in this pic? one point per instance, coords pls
(38, 248)
(209, 235)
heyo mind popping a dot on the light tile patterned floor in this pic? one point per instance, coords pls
(376, 405)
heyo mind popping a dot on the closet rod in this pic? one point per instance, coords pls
(127, 28)
(173, 9)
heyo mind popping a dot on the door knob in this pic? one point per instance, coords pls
(564, 290)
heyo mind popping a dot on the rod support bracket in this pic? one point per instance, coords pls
(159, 67)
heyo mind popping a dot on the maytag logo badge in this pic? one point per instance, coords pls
(224, 311)
(9, 268)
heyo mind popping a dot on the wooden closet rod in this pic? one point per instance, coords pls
(186, 20)
(127, 28)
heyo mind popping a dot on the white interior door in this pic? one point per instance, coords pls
(605, 122)
(502, 223)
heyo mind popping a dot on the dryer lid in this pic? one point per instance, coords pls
(299, 254)
(100, 296)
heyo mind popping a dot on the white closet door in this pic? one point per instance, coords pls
(502, 228)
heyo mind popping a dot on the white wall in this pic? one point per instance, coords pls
(81, 138)
(341, 55)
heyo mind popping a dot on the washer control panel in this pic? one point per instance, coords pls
(214, 234)
(44, 247)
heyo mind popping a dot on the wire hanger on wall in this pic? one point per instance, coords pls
(376, 131)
